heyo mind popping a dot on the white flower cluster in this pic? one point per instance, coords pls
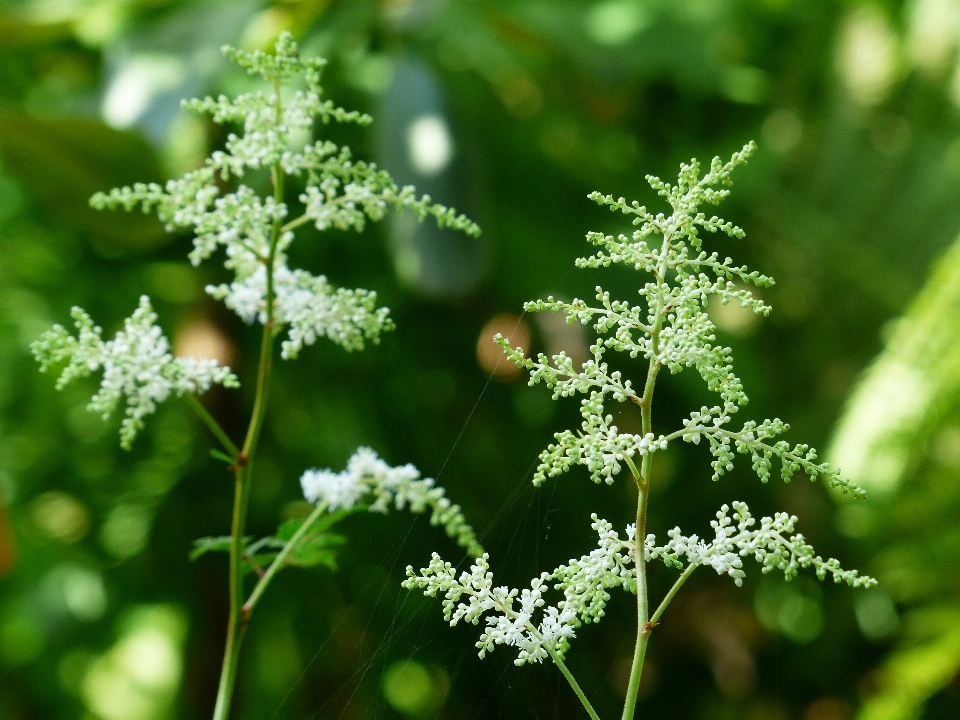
(310, 306)
(510, 626)
(671, 329)
(255, 232)
(368, 476)
(751, 440)
(584, 582)
(771, 544)
(136, 364)
(601, 447)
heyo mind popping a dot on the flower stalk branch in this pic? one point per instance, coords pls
(239, 613)
(218, 432)
(281, 559)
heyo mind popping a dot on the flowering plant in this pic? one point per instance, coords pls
(670, 329)
(255, 233)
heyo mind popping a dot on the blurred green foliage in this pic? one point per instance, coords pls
(530, 104)
(900, 436)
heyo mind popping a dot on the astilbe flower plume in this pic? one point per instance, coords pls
(368, 478)
(256, 232)
(669, 328)
(136, 364)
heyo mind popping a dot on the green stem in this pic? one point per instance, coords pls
(281, 559)
(295, 223)
(643, 625)
(573, 682)
(237, 622)
(643, 637)
(642, 479)
(655, 618)
(263, 390)
(232, 450)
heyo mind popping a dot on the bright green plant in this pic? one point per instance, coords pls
(670, 329)
(907, 456)
(255, 233)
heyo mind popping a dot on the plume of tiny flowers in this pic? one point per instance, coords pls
(771, 544)
(586, 582)
(671, 329)
(137, 364)
(369, 479)
(255, 232)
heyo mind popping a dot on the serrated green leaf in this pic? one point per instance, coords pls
(317, 550)
(288, 529)
(210, 544)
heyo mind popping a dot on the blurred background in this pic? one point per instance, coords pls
(512, 111)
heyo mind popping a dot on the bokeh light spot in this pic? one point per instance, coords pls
(138, 678)
(408, 687)
(877, 616)
(867, 55)
(429, 144)
(201, 339)
(490, 355)
(126, 530)
(61, 516)
(829, 708)
(133, 88)
(732, 318)
(782, 131)
(615, 22)
(793, 609)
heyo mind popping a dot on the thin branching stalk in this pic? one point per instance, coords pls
(573, 684)
(218, 432)
(237, 620)
(655, 618)
(281, 559)
(235, 624)
(642, 480)
(239, 613)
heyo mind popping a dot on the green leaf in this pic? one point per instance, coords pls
(317, 550)
(315, 547)
(327, 558)
(288, 529)
(210, 544)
